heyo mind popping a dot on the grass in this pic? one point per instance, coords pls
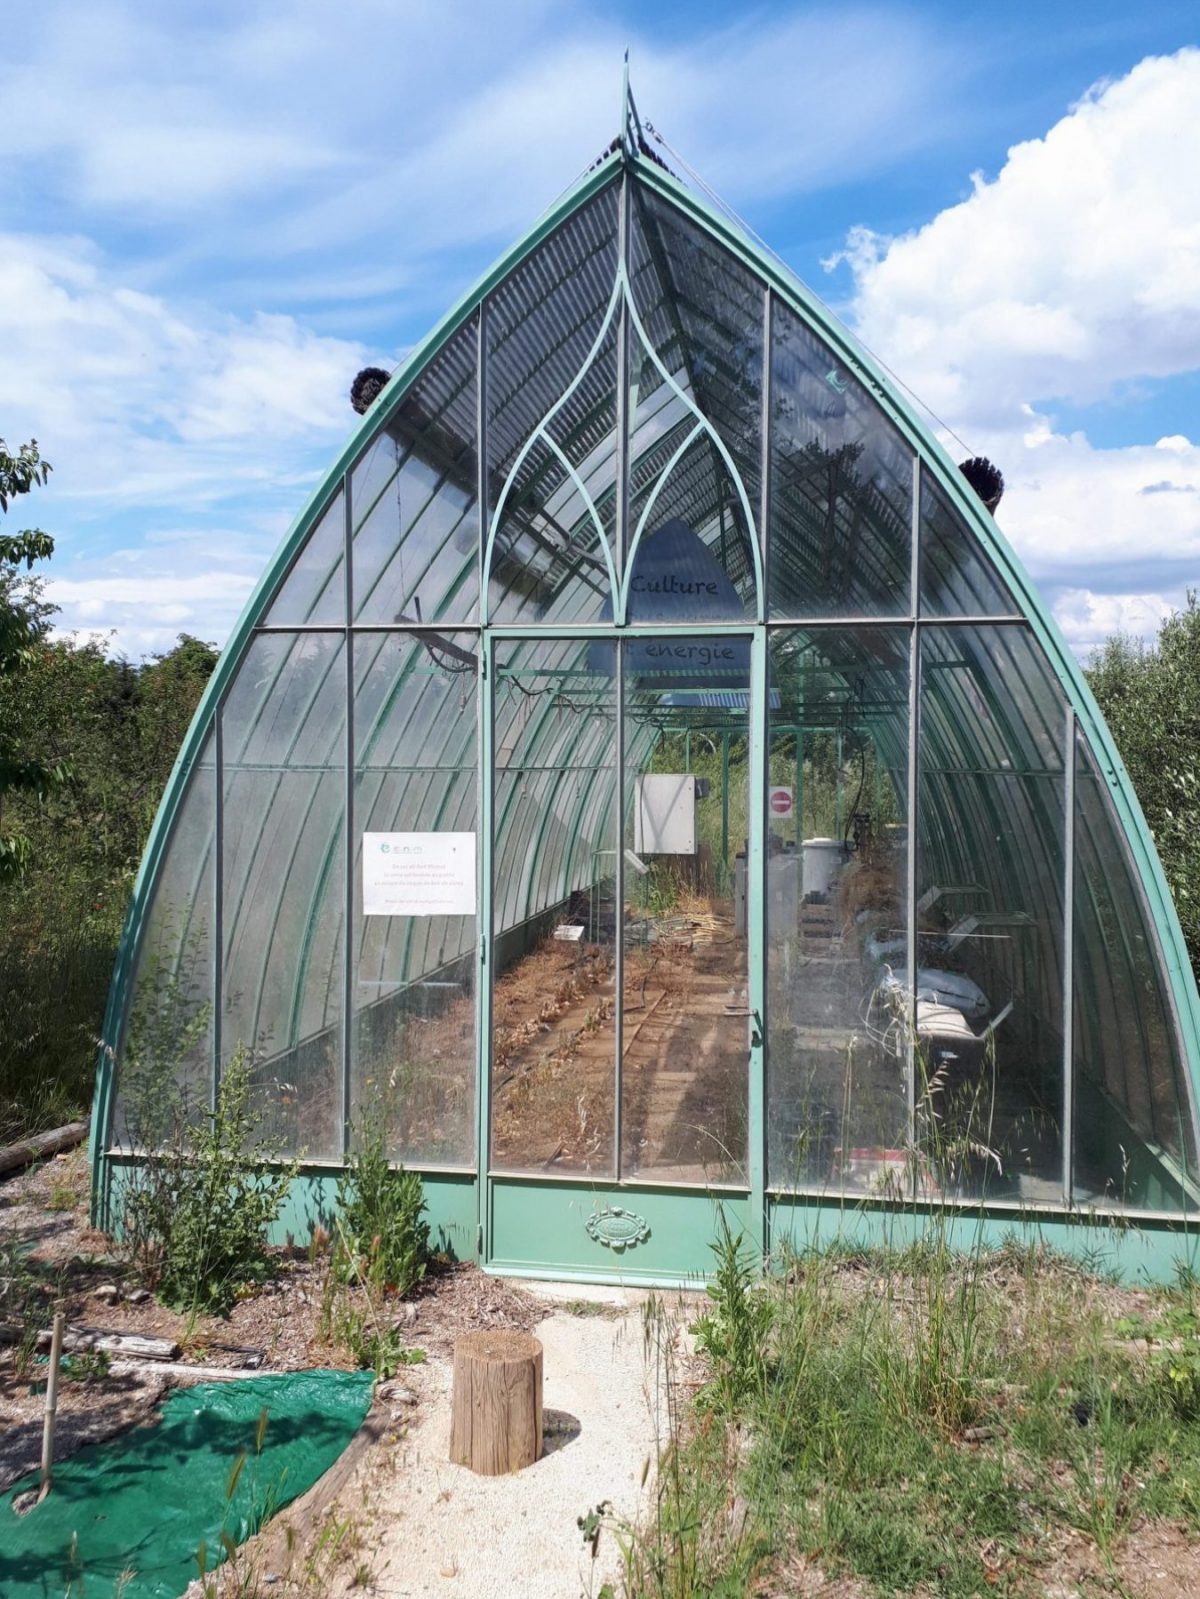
(921, 1422)
(592, 1309)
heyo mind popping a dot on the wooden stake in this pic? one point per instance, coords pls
(56, 1341)
(496, 1417)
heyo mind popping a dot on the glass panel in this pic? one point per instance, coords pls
(416, 516)
(553, 1051)
(547, 563)
(957, 578)
(165, 1065)
(283, 727)
(990, 916)
(841, 487)
(413, 1043)
(837, 1049)
(694, 562)
(685, 1003)
(702, 313)
(1134, 1137)
(315, 588)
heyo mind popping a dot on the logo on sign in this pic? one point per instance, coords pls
(780, 801)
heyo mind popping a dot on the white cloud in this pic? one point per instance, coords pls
(168, 165)
(1072, 274)
(1088, 619)
(138, 599)
(138, 402)
(1075, 269)
(299, 132)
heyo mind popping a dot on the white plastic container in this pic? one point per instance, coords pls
(823, 860)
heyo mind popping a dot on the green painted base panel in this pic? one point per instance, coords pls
(1131, 1248)
(607, 1234)
(604, 1233)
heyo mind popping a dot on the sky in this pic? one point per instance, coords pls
(212, 215)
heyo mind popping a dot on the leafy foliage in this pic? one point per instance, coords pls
(24, 619)
(202, 1201)
(381, 1213)
(734, 1333)
(929, 1423)
(380, 1250)
(111, 731)
(1151, 700)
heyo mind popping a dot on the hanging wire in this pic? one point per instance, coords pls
(727, 210)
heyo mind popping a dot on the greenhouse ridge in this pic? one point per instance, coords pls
(635, 535)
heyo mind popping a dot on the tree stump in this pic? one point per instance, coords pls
(496, 1417)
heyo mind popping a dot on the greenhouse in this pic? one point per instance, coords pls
(644, 782)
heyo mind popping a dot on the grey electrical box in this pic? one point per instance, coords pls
(665, 817)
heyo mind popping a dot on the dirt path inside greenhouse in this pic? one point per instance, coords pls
(683, 1112)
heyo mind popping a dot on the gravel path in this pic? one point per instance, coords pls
(443, 1530)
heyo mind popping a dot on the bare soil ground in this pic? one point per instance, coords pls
(43, 1215)
(341, 1538)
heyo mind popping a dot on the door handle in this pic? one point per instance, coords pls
(757, 1031)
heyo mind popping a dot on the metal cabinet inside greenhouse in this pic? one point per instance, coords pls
(639, 510)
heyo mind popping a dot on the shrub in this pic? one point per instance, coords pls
(383, 1237)
(197, 1217)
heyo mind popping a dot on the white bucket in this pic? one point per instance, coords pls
(823, 858)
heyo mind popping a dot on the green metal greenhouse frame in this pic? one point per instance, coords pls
(1012, 757)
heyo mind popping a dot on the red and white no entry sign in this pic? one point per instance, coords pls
(780, 801)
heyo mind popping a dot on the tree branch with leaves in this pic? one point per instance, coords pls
(24, 622)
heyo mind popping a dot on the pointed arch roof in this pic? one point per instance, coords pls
(942, 473)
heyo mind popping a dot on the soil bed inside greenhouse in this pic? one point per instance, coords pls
(684, 1055)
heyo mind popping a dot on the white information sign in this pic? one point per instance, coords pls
(418, 874)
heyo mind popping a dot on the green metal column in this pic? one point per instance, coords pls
(756, 903)
(725, 805)
(483, 1008)
(798, 801)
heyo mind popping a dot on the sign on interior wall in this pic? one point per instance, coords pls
(779, 800)
(418, 874)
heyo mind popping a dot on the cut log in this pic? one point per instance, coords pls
(77, 1340)
(29, 1149)
(496, 1417)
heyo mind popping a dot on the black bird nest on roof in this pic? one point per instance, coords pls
(987, 480)
(367, 387)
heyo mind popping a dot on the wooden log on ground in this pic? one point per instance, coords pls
(496, 1415)
(15, 1156)
(77, 1340)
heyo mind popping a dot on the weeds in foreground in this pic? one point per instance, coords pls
(922, 1421)
(381, 1210)
(380, 1250)
(22, 1301)
(207, 1190)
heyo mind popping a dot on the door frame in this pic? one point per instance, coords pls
(585, 1228)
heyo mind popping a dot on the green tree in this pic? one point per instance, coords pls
(1150, 696)
(24, 622)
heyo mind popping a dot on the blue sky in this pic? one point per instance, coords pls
(211, 216)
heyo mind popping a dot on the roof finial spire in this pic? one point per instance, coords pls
(630, 137)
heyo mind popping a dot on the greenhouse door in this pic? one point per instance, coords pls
(621, 1037)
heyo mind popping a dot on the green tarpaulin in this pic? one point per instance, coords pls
(144, 1503)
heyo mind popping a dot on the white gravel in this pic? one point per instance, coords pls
(440, 1529)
